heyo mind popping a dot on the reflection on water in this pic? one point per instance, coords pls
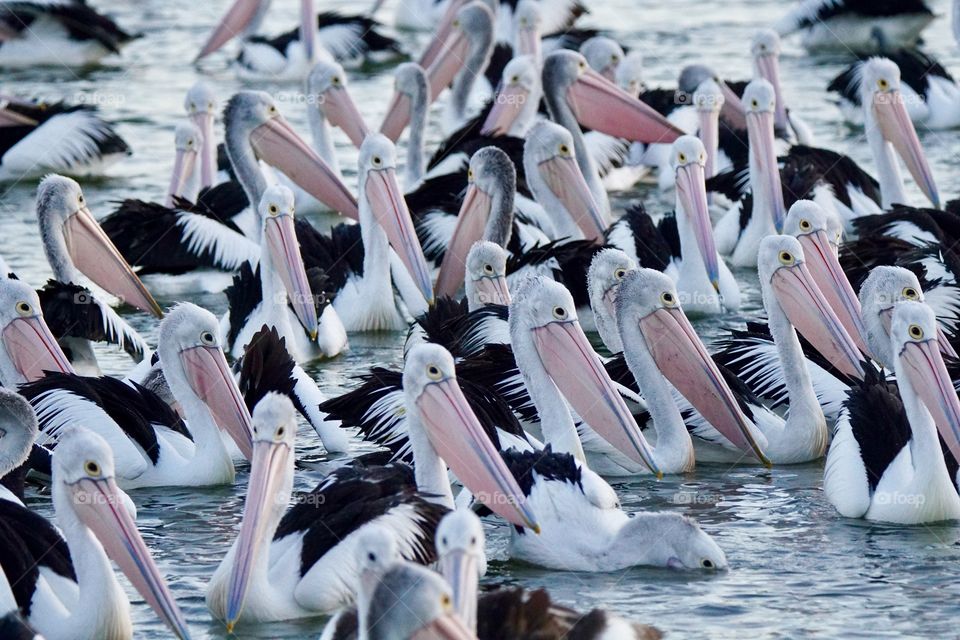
(797, 568)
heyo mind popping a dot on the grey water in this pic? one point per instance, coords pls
(797, 569)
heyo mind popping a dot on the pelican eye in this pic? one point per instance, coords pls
(372, 557)
(839, 236)
(445, 541)
(433, 372)
(754, 103)
(488, 268)
(210, 106)
(682, 157)
(582, 65)
(278, 434)
(564, 150)
(445, 602)
(707, 563)
(190, 142)
(915, 331)
(272, 110)
(515, 79)
(335, 81)
(559, 313)
(668, 299)
(614, 58)
(786, 258)
(883, 84)
(805, 225)
(703, 157)
(80, 198)
(273, 209)
(470, 174)
(456, 23)
(92, 468)
(619, 272)
(910, 293)
(377, 161)
(24, 308)
(193, 106)
(208, 338)
(473, 540)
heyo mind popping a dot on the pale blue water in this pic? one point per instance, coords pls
(797, 569)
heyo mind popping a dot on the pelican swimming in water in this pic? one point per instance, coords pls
(151, 444)
(28, 349)
(73, 590)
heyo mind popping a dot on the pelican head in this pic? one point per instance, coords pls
(327, 87)
(546, 335)
(201, 105)
(527, 21)
(74, 241)
(18, 430)
(27, 347)
(570, 85)
(604, 55)
(281, 254)
(650, 318)
(193, 363)
(688, 158)
(517, 99)
(445, 418)
(708, 100)
(551, 165)
(668, 540)
(413, 602)
(629, 75)
(411, 91)
(809, 223)
(86, 496)
(765, 48)
(486, 278)
(467, 46)
(607, 270)
(790, 292)
(253, 123)
(759, 99)
(382, 202)
(463, 559)
(271, 482)
(692, 76)
(486, 213)
(886, 112)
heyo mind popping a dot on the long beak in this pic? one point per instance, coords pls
(692, 196)
(528, 43)
(208, 374)
(183, 167)
(564, 178)
(281, 239)
(769, 68)
(267, 469)
(398, 116)
(100, 506)
(685, 362)
(458, 437)
(492, 290)
(10, 118)
(342, 112)
(445, 627)
(507, 106)
(599, 104)
(930, 380)
(390, 210)
(898, 130)
(709, 135)
(278, 145)
(732, 111)
(808, 311)
(576, 370)
(833, 283)
(308, 30)
(449, 61)
(462, 573)
(33, 349)
(238, 17)
(444, 28)
(96, 257)
(208, 158)
(471, 223)
(760, 133)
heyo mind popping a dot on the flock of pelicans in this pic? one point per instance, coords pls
(502, 406)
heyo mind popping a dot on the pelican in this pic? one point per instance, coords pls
(75, 592)
(201, 105)
(57, 33)
(41, 137)
(150, 443)
(886, 461)
(851, 25)
(410, 101)
(184, 179)
(76, 245)
(254, 583)
(278, 293)
(18, 430)
(765, 49)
